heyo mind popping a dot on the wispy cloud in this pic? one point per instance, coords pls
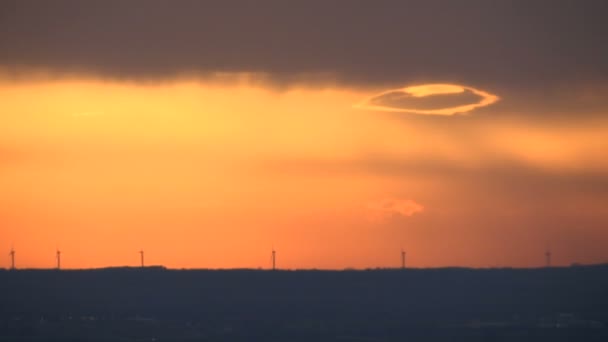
(388, 207)
(444, 99)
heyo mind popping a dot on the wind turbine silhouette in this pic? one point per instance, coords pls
(12, 254)
(141, 254)
(274, 258)
(58, 254)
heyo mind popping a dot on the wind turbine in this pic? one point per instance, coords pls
(58, 254)
(274, 258)
(402, 258)
(141, 254)
(12, 254)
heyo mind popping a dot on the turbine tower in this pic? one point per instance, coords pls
(402, 258)
(12, 254)
(274, 259)
(58, 254)
(141, 254)
(548, 257)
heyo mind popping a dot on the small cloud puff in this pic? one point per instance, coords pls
(389, 207)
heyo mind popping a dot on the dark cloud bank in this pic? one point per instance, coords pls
(359, 43)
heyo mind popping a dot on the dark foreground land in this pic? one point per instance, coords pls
(155, 304)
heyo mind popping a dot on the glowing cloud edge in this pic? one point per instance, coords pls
(486, 100)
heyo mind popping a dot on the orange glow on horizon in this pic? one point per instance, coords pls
(212, 175)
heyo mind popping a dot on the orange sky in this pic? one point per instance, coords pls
(209, 174)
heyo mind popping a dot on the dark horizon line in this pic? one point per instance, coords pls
(346, 269)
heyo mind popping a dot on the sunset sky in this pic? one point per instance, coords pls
(469, 133)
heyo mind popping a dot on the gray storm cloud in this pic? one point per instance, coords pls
(361, 43)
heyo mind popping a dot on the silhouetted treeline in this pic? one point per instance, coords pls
(425, 304)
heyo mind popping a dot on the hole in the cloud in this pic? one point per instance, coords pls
(429, 99)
